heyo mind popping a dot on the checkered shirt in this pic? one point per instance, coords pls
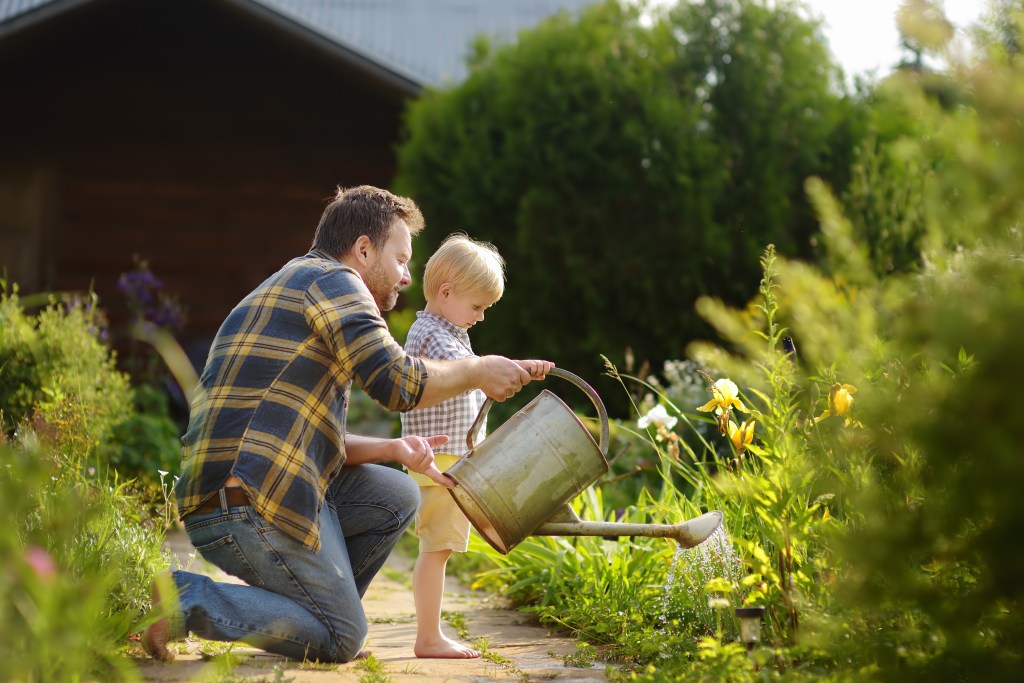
(431, 336)
(272, 401)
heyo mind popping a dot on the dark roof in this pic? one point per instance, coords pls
(411, 43)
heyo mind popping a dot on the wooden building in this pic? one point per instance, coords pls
(206, 136)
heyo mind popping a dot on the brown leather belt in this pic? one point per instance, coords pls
(235, 496)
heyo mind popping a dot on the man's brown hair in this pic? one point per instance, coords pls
(363, 210)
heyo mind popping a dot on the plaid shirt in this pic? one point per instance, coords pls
(432, 336)
(273, 398)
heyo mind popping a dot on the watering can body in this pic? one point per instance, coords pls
(519, 481)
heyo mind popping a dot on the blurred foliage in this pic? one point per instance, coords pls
(147, 441)
(683, 143)
(80, 550)
(75, 569)
(885, 197)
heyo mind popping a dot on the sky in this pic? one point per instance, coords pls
(862, 33)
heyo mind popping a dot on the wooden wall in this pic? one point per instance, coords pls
(185, 133)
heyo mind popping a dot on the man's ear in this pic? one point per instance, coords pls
(363, 250)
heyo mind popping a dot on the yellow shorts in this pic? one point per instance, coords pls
(440, 523)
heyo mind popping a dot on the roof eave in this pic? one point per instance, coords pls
(40, 14)
(400, 84)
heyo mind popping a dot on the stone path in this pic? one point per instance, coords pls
(516, 649)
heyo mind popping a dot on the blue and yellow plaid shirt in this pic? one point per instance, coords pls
(271, 403)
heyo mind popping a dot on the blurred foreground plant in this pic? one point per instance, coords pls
(74, 575)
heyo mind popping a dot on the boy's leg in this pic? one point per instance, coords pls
(440, 533)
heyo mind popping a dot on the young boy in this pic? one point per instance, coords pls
(461, 280)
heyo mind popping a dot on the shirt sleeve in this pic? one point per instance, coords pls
(343, 314)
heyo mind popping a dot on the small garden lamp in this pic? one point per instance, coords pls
(750, 625)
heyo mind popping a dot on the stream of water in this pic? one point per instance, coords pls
(691, 569)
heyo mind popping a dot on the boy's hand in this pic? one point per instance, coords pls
(538, 369)
(417, 454)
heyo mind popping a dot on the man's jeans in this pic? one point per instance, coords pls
(298, 603)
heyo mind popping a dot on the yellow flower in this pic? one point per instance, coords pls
(726, 396)
(741, 436)
(840, 401)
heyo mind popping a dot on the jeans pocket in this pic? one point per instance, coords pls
(225, 554)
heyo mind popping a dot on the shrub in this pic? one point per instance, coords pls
(621, 168)
(55, 366)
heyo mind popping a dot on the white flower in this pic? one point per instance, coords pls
(162, 473)
(657, 416)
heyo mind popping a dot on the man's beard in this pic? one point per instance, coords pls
(385, 293)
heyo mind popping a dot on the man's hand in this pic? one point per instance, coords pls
(501, 378)
(417, 454)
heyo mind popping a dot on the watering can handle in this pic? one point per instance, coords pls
(566, 375)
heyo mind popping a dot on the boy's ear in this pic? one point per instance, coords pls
(445, 289)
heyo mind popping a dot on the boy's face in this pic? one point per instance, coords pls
(462, 310)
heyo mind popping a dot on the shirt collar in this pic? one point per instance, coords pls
(317, 253)
(445, 323)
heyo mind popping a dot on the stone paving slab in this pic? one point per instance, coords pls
(520, 649)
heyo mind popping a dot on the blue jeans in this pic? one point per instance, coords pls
(297, 603)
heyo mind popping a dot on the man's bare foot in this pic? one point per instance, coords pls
(158, 634)
(445, 648)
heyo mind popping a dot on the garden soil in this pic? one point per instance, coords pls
(517, 648)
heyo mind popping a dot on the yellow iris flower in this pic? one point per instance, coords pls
(726, 395)
(741, 436)
(840, 401)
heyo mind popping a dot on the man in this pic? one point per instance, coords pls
(272, 489)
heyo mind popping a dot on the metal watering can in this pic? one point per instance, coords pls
(519, 480)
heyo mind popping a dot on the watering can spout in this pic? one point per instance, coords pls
(688, 534)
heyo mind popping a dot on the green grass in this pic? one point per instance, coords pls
(372, 670)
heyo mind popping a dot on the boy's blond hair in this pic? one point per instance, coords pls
(471, 267)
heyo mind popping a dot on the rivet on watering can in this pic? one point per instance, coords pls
(750, 625)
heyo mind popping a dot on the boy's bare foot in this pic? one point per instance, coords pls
(445, 648)
(158, 634)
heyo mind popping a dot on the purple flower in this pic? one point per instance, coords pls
(139, 286)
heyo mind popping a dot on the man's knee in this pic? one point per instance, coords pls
(350, 644)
